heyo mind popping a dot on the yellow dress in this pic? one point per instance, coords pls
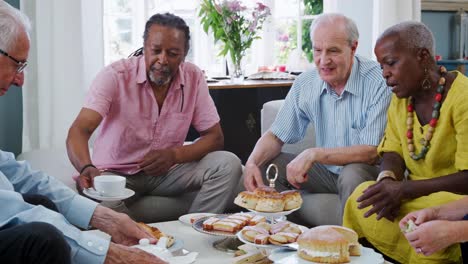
(448, 153)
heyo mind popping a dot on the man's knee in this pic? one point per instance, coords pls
(226, 161)
(46, 240)
(356, 173)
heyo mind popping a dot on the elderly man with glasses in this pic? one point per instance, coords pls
(34, 234)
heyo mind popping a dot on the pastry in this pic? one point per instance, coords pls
(257, 219)
(267, 199)
(265, 191)
(261, 239)
(208, 223)
(279, 227)
(292, 200)
(226, 226)
(247, 200)
(327, 244)
(270, 203)
(157, 233)
(278, 239)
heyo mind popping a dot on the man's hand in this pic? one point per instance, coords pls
(432, 236)
(158, 162)
(118, 254)
(120, 227)
(385, 197)
(252, 177)
(86, 179)
(296, 170)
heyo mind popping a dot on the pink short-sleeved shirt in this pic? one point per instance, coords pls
(132, 122)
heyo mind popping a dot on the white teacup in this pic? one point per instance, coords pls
(110, 185)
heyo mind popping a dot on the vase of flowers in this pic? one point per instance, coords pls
(235, 25)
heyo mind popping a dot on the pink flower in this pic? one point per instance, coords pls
(234, 6)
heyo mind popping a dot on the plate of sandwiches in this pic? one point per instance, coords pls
(226, 224)
(327, 244)
(281, 234)
(267, 201)
(172, 244)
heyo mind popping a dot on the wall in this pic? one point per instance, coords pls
(440, 25)
(11, 115)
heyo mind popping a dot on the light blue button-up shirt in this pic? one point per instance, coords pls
(17, 177)
(356, 117)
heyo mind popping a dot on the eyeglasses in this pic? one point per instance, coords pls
(19, 64)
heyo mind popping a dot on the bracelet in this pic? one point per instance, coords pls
(86, 166)
(386, 174)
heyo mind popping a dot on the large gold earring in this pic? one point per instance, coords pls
(426, 84)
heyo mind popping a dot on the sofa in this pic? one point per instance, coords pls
(328, 210)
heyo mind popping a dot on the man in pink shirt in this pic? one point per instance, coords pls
(145, 105)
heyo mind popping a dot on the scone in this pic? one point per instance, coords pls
(247, 200)
(292, 200)
(265, 191)
(270, 203)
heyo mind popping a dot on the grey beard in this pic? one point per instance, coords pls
(158, 81)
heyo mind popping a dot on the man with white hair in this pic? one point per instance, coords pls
(345, 99)
(32, 233)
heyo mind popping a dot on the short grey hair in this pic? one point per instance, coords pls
(412, 35)
(332, 18)
(12, 24)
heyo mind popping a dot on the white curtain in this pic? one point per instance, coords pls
(372, 17)
(66, 53)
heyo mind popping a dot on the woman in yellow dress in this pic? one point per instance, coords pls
(426, 138)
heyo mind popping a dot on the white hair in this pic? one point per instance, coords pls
(332, 18)
(412, 35)
(12, 24)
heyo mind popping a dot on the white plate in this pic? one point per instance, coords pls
(282, 256)
(187, 217)
(95, 195)
(292, 246)
(275, 214)
(241, 238)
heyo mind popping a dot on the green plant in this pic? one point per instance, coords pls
(232, 23)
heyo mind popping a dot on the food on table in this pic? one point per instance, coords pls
(264, 233)
(270, 203)
(292, 200)
(328, 244)
(250, 255)
(247, 200)
(157, 233)
(232, 223)
(267, 199)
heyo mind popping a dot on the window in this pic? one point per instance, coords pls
(287, 28)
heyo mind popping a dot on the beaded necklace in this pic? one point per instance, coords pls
(432, 124)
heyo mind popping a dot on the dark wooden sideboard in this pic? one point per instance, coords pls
(239, 108)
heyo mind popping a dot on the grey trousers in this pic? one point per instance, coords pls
(325, 193)
(211, 181)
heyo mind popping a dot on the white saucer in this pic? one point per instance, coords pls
(95, 195)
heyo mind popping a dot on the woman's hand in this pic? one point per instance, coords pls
(432, 236)
(385, 197)
(419, 217)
